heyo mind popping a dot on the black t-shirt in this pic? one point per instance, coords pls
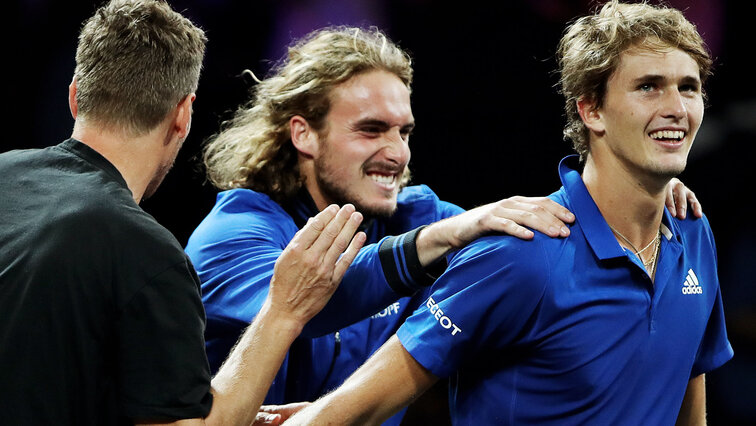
(101, 320)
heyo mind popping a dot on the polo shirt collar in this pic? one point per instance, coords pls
(597, 232)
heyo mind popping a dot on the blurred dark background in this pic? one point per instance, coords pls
(489, 118)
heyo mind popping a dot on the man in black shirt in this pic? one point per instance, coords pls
(102, 317)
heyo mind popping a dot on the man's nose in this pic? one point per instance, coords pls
(396, 148)
(673, 105)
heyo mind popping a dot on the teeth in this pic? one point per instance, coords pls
(668, 134)
(382, 178)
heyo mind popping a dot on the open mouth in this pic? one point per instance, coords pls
(668, 135)
(387, 181)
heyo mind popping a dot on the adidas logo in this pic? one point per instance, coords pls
(690, 285)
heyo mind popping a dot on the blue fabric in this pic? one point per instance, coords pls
(235, 248)
(572, 330)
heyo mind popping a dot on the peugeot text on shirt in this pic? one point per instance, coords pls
(443, 320)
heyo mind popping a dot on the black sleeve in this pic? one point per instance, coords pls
(164, 371)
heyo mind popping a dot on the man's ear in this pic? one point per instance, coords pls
(72, 104)
(303, 136)
(183, 122)
(591, 115)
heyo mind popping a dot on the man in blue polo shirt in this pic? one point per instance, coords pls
(615, 324)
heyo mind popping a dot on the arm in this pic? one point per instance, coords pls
(693, 410)
(396, 267)
(307, 275)
(388, 381)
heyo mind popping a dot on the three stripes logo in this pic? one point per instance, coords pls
(690, 285)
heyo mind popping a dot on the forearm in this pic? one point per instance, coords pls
(435, 241)
(693, 409)
(243, 381)
(388, 381)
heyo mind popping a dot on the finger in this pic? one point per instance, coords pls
(332, 230)
(681, 200)
(346, 259)
(342, 241)
(265, 419)
(670, 200)
(552, 207)
(697, 209)
(694, 204)
(537, 217)
(503, 224)
(314, 227)
(558, 210)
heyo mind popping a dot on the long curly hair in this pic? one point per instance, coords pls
(254, 149)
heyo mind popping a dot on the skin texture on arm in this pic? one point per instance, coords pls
(388, 381)
(305, 277)
(693, 409)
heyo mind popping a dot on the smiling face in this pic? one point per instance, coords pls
(651, 113)
(363, 150)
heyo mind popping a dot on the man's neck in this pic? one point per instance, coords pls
(630, 205)
(134, 157)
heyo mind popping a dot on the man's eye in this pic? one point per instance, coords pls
(646, 87)
(371, 130)
(689, 88)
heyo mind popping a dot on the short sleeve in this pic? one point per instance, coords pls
(164, 373)
(715, 348)
(482, 302)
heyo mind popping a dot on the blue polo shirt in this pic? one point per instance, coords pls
(573, 330)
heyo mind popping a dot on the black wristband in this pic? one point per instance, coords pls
(401, 265)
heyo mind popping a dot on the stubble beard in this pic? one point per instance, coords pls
(339, 193)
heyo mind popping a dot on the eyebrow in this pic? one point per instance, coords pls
(656, 78)
(382, 124)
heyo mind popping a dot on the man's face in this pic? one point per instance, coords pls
(652, 111)
(364, 150)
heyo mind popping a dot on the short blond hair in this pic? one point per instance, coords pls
(591, 47)
(254, 149)
(135, 61)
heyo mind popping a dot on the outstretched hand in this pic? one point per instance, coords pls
(678, 198)
(311, 267)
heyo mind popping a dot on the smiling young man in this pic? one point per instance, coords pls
(615, 324)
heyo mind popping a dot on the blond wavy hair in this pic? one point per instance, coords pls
(135, 61)
(254, 149)
(591, 47)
